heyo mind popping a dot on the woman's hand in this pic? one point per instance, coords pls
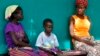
(88, 41)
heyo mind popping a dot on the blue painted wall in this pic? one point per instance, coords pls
(35, 11)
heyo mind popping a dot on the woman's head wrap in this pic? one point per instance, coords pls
(9, 11)
(82, 2)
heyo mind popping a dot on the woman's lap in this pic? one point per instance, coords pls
(22, 52)
(91, 50)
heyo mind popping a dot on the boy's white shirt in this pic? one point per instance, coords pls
(47, 41)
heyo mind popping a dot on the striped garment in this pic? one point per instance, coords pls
(22, 52)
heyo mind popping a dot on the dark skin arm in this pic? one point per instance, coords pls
(47, 51)
(76, 37)
(25, 39)
(59, 51)
(17, 42)
(50, 52)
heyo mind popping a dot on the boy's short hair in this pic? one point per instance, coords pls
(47, 20)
